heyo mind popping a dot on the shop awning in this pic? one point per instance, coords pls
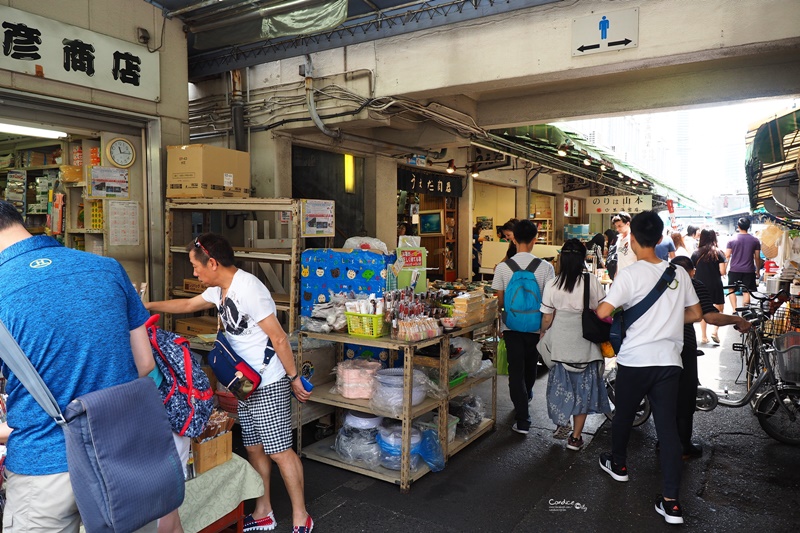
(771, 164)
(570, 153)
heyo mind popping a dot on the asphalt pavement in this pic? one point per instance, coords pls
(506, 482)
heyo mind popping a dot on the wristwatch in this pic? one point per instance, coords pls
(292, 378)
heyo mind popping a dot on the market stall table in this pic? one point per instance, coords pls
(214, 499)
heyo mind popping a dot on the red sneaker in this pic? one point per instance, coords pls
(267, 523)
(306, 528)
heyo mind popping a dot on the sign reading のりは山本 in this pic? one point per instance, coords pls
(615, 204)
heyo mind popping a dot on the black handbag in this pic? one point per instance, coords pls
(595, 329)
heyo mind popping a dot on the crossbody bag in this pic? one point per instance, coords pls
(624, 319)
(232, 370)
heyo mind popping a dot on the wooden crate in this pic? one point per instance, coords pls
(194, 285)
(191, 327)
(212, 453)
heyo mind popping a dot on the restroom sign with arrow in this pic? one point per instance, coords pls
(605, 32)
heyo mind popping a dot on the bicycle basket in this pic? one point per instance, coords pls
(788, 357)
(778, 324)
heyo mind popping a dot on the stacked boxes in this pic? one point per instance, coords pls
(468, 308)
(16, 190)
(45, 183)
(489, 309)
(205, 171)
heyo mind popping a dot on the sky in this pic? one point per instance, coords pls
(700, 152)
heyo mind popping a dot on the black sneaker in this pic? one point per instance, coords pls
(670, 510)
(693, 451)
(519, 428)
(619, 473)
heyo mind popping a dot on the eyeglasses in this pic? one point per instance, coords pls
(197, 244)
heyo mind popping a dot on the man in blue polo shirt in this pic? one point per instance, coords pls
(81, 323)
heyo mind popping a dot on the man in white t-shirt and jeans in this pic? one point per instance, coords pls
(247, 313)
(626, 256)
(521, 346)
(649, 361)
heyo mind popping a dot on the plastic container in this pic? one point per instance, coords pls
(353, 444)
(788, 347)
(369, 326)
(359, 420)
(389, 391)
(354, 378)
(431, 421)
(390, 443)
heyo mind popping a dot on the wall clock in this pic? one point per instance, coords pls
(120, 152)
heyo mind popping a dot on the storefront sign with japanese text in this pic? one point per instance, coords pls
(411, 258)
(431, 183)
(49, 49)
(615, 204)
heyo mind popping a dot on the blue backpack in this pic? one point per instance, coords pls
(523, 298)
(185, 390)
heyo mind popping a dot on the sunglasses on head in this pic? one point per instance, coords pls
(198, 244)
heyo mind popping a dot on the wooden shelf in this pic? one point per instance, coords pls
(38, 167)
(329, 398)
(278, 268)
(324, 452)
(459, 444)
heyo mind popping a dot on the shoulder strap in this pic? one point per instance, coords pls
(23, 369)
(533, 265)
(634, 313)
(585, 291)
(512, 265)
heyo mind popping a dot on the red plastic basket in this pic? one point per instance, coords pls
(227, 401)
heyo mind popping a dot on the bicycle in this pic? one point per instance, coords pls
(774, 396)
(610, 377)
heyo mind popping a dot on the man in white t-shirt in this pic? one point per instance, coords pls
(649, 361)
(523, 357)
(691, 239)
(625, 253)
(247, 313)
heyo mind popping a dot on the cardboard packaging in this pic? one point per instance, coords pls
(212, 453)
(204, 171)
(194, 285)
(191, 327)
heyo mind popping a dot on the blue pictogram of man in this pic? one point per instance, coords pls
(604, 24)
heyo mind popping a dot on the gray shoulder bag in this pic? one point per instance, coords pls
(123, 464)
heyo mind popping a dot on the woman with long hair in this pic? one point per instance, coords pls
(680, 246)
(611, 252)
(507, 233)
(595, 245)
(709, 263)
(575, 384)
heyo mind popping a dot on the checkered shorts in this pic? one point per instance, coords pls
(266, 417)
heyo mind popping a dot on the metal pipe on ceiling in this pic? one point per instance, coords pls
(308, 72)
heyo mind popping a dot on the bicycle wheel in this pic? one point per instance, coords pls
(779, 424)
(642, 413)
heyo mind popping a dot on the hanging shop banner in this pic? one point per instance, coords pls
(318, 217)
(49, 49)
(109, 182)
(567, 207)
(431, 183)
(615, 204)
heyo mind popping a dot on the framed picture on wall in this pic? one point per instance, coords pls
(431, 223)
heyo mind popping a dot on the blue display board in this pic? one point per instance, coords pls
(325, 269)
